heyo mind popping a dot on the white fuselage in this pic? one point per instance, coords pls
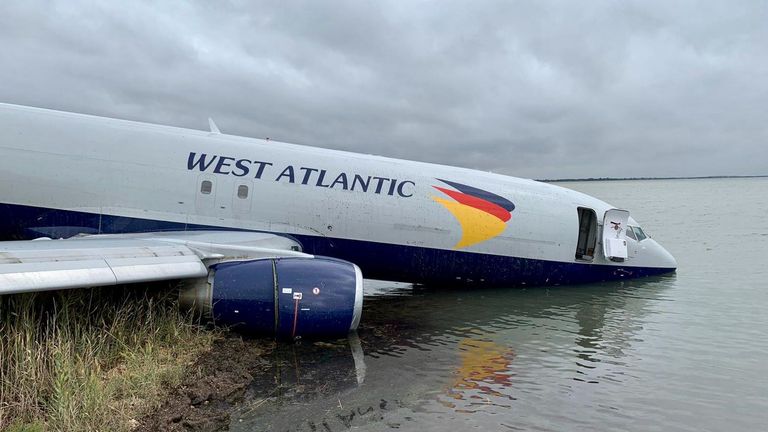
(71, 171)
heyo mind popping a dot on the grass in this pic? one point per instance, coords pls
(91, 359)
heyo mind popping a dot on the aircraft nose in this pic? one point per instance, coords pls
(663, 257)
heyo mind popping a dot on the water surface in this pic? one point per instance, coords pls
(684, 352)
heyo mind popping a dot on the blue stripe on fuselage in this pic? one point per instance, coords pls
(377, 260)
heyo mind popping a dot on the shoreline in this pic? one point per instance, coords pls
(211, 387)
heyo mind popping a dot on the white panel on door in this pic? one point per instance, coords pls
(614, 234)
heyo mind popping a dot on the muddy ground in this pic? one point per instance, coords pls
(238, 366)
(212, 386)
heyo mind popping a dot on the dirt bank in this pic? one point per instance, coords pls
(212, 385)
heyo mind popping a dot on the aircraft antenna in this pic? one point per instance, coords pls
(214, 128)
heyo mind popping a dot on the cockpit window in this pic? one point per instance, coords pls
(639, 233)
(630, 233)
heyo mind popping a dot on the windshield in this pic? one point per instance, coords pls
(639, 235)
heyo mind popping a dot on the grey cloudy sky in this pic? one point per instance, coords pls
(540, 89)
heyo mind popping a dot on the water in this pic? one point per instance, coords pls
(685, 352)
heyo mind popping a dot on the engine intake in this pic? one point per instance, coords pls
(286, 297)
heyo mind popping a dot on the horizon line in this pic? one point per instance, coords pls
(650, 178)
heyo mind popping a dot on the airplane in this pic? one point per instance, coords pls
(276, 237)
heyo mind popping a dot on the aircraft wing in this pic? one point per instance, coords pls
(99, 260)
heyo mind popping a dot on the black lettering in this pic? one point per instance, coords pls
(307, 173)
(363, 183)
(340, 179)
(380, 183)
(287, 172)
(392, 185)
(223, 162)
(400, 189)
(241, 164)
(200, 162)
(262, 165)
(320, 179)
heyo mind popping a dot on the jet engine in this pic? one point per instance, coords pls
(289, 297)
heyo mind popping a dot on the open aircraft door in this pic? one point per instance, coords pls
(614, 234)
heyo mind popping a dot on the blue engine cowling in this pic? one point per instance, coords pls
(286, 297)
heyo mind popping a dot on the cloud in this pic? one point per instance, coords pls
(533, 89)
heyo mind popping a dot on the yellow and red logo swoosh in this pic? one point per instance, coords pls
(481, 214)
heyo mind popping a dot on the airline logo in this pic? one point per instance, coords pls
(481, 214)
(305, 176)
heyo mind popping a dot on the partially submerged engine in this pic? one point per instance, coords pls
(289, 297)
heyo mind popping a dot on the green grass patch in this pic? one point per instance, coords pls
(92, 359)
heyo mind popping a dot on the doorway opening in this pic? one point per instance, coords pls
(585, 245)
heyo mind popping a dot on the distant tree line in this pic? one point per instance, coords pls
(646, 178)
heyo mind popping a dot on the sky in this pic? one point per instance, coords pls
(538, 89)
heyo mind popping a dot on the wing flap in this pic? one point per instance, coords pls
(62, 264)
(129, 270)
(23, 277)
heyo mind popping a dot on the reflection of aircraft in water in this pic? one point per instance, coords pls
(484, 365)
(301, 382)
(472, 351)
(584, 331)
(596, 311)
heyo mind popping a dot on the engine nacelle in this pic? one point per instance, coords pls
(286, 297)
